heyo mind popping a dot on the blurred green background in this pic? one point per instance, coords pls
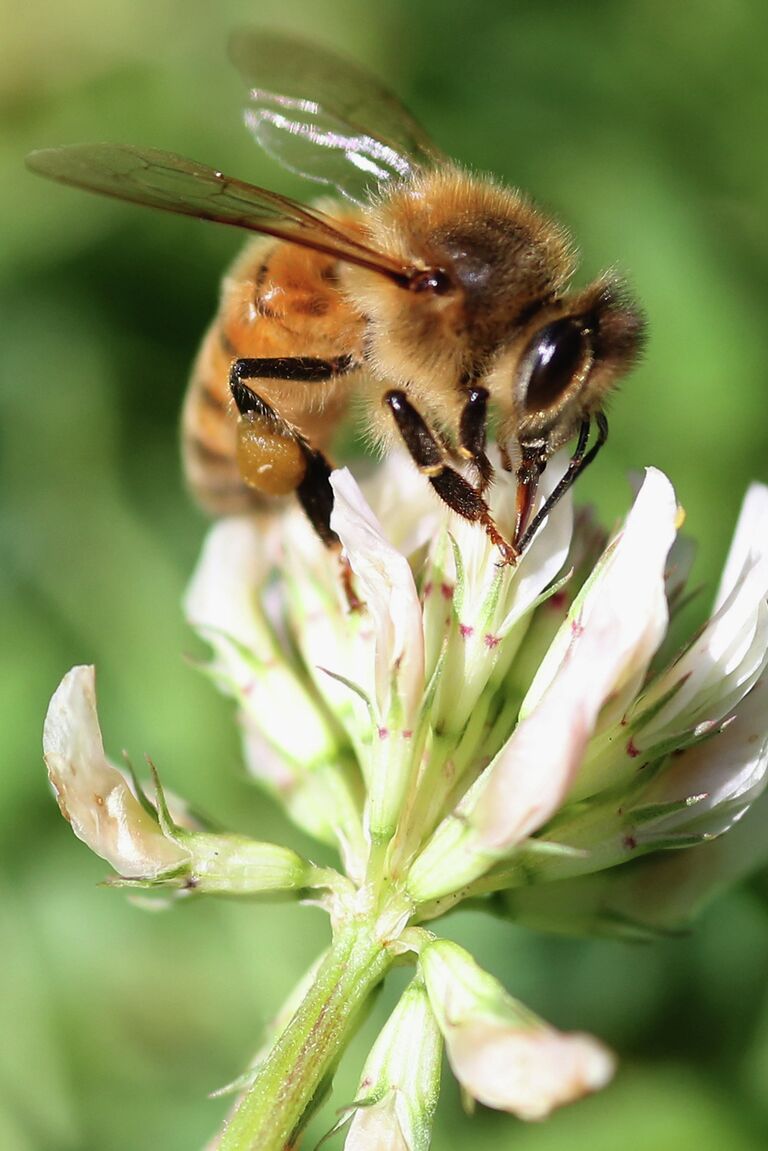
(642, 124)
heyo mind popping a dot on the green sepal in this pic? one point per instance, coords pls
(353, 687)
(164, 818)
(461, 579)
(644, 717)
(138, 789)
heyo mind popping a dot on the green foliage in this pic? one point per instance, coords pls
(641, 124)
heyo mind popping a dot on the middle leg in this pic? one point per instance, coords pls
(473, 433)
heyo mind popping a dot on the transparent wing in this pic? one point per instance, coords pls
(164, 180)
(326, 118)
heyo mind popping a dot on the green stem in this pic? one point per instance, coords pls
(310, 1046)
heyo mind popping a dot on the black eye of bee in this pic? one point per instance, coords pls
(554, 357)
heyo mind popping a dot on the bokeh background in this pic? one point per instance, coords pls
(641, 123)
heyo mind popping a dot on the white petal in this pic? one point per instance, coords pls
(543, 559)
(93, 795)
(402, 1073)
(491, 605)
(387, 586)
(528, 1072)
(220, 600)
(721, 665)
(532, 775)
(541, 562)
(224, 603)
(728, 771)
(263, 763)
(750, 540)
(607, 645)
(626, 592)
(403, 501)
(377, 1128)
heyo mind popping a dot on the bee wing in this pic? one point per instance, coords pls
(164, 180)
(326, 118)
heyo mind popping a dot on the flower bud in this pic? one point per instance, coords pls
(398, 1092)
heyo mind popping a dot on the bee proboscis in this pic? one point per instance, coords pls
(438, 298)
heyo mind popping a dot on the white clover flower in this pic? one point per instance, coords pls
(509, 735)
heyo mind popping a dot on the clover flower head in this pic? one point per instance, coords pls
(513, 736)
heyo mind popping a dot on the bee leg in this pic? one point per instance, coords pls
(473, 433)
(295, 369)
(449, 484)
(276, 460)
(274, 457)
(580, 460)
(315, 495)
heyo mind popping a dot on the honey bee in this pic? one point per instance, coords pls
(437, 298)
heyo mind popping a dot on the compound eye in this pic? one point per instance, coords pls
(555, 357)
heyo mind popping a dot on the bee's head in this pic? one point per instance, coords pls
(561, 367)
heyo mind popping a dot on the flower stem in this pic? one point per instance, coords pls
(310, 1046)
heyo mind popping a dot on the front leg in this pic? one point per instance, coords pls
(473, 433)
(449, 484)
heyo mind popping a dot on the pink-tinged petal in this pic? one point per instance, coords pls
(503, 1054)
(750, 540)
(528, 1072)
(605, 645)
(708, 680)
(661, 893)
(93, 795)
(386, 584)
(484, 609)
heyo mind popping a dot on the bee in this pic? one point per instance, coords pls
(438, 299)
